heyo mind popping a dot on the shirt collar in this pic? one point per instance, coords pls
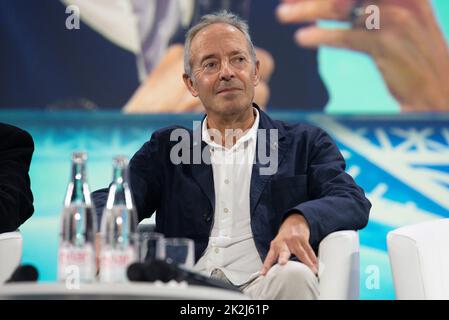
(251, 134)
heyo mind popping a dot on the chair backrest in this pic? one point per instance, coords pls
(10, 253)
(339, 255)
(419, 258)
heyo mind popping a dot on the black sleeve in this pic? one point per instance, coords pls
(145, 174)
(16, 198)
(337, 202)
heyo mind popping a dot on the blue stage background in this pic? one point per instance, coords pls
(401, 161)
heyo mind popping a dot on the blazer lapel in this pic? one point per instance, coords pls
(258, 180)
(202, 172)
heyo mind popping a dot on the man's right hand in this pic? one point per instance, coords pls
(292, 239)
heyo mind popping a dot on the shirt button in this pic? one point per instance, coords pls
(226, 210)
(217, 250)
(226, 181)
(207, 217)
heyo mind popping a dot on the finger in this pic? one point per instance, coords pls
(302, 255)
(354, 39)
(312, 10)
(284, 256)
(310, 253)
(269, 261)
(417, 7)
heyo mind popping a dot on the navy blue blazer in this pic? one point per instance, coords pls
(310, 179)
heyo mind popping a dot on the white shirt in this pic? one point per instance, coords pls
(231, 246)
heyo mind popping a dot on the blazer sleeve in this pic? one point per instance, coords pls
(145, 175)
(337, 202)
(16, 198)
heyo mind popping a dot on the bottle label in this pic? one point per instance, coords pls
(114, 264)
(76, 263)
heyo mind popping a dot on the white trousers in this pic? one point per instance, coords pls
(292, 281)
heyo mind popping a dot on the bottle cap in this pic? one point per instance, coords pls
(79, 156)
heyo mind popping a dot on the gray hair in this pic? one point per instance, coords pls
(209, 19)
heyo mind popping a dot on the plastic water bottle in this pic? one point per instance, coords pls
(118, 227)
(76, 256)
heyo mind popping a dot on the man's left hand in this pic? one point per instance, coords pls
(292, 238)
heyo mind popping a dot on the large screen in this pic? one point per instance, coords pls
(97, 55)
(102, 76)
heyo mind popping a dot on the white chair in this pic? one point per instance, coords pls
(419, 257)
(339, 254)
(10, 253)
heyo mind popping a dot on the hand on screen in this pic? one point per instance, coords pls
(408, 47)
(163, 90)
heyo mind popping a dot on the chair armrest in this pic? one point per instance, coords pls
(419, 258)
(339, 255)
(10, 253)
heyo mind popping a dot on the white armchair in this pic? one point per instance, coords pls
(419, 257)
(10, 253)
(339, 253)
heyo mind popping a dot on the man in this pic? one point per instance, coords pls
(408, 48)
(249, 223)
(16, 198)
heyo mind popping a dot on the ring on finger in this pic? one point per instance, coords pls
(357, 10)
